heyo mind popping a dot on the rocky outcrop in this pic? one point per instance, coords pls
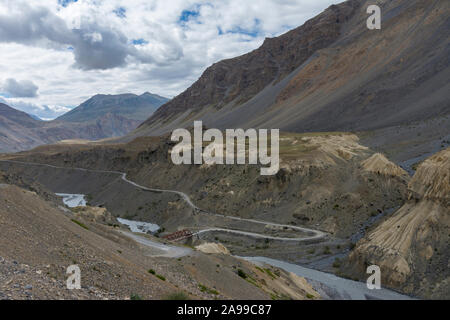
(432, 180)
(411, 247)
(379, 164)
(212, 248)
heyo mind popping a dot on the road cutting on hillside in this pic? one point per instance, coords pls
(315, 235)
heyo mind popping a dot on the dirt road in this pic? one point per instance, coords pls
(315, 234)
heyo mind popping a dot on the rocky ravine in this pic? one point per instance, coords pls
(323, 182)
(411, 247)
(39, 239)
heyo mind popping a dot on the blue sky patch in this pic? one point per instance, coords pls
(253, 32)
(187, 15)
(65, 3)
(121, 12)
(139, 42)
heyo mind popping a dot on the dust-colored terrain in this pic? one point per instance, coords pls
(322, 183)
(411, 247)
(327, 181)
(385, 91)
(40, 239)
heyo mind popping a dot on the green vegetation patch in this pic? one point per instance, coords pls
(161, 277)
(80, 224)
(204, 288)
(135, 297)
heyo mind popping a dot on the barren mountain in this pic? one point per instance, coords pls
(39, 239)
(348, 100)
(16, 130)
(129, 106)
(323, 181)
(100, 117)
(332, 74)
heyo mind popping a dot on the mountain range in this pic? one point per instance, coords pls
(102, 116)
(364, 174)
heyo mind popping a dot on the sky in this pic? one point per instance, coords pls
(55, 54)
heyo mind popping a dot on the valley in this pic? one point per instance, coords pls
(343, 163)
(312, 240)
(101, 117)
(329, 289)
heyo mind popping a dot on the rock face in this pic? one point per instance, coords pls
(411, 247)
(98, 118)
(379, 164)
(243, 77)
(331, 74)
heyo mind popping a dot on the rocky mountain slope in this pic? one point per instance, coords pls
(98, 118)
(326, 179)
(411, 247)
(129, 106)
(331, 74)
(16, 129)
(40, 238)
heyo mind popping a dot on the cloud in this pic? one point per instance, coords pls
(76, 49)
(100, 49)
(94, 47)
(20, 89)
(43, 112)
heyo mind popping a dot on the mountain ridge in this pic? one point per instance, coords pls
(143, 105)
(19, 131)
(349, 78)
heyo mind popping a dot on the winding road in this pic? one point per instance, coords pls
(329, 286)
(315, 234)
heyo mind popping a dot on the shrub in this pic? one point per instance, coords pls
(151, 271)
(270, 273)
(326, 250)
(337, 263)
(161, 277)
(80, 224)
(242, 274)
(207, 290)
(135, 297)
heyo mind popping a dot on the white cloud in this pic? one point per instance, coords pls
(134, 45)
(20, 89)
